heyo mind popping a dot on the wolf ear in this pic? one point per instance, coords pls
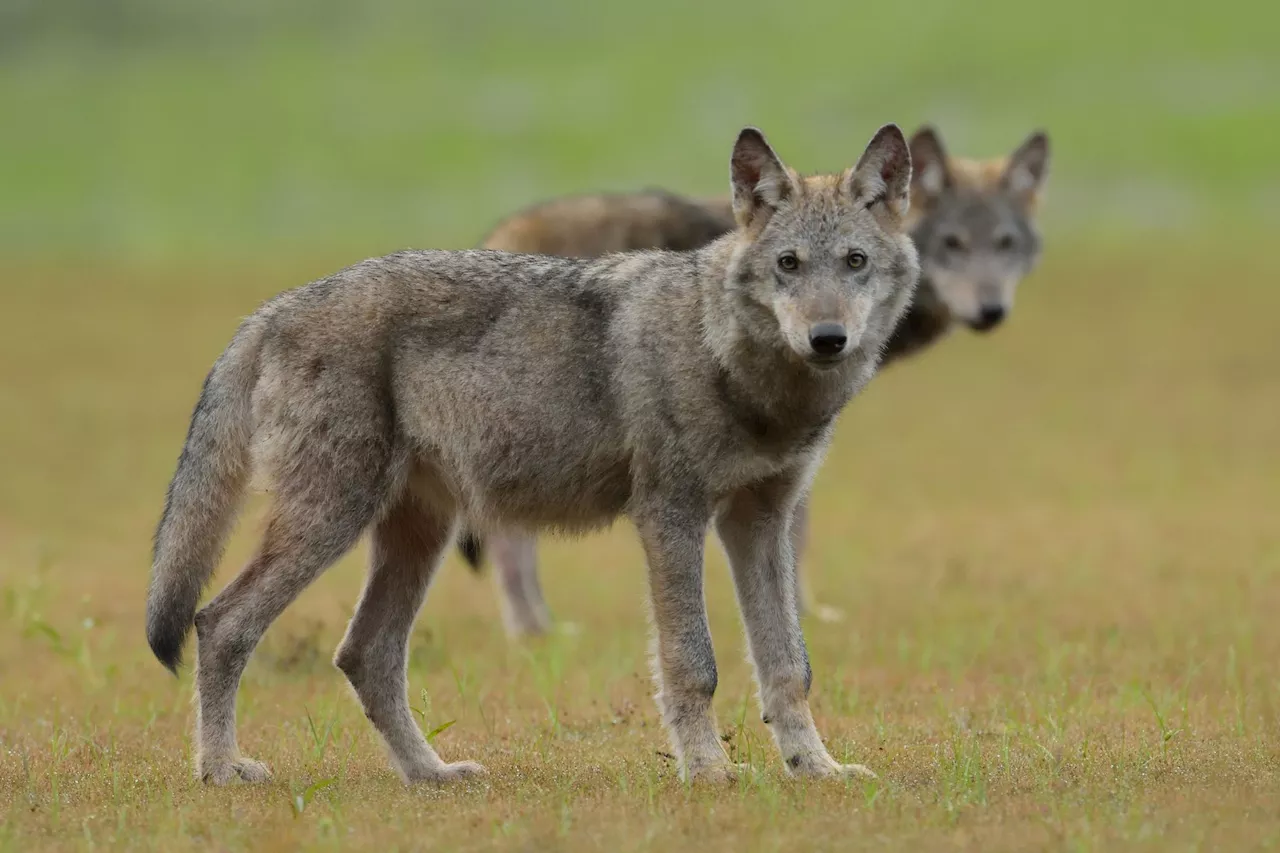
(930, 175)
(883, 173)
(1027, 168)
(760, 181)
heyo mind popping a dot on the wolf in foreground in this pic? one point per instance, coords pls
(973, 222)
(681, 389)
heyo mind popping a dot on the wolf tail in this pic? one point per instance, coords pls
(472, 548)
(204, 495)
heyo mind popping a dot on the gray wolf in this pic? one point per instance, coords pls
(684, 390)
(973, 222)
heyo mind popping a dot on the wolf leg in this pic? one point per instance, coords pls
(515, 559)
(799, 545)
(684, 663)
(301, 540)
(408, 544)
(754, 529)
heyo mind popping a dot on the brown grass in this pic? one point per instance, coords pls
(1058, 550)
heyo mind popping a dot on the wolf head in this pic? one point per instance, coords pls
(823, 266)
(973, 225)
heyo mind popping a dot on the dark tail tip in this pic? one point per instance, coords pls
(472, 550)
(166, 635)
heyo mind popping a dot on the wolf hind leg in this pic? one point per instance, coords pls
(408, 543)
(342, 466)
(302, 539)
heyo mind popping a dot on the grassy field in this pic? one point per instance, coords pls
(1056, 547)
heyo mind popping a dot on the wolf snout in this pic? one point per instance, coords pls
(989, 317)
(828, 339)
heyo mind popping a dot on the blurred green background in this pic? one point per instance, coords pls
(176, 129)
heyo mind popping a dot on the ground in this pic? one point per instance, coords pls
(1055, 547)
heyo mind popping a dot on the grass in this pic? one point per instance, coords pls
(1055, 546)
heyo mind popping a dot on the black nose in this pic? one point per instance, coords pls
(989, 317)
(827, 338)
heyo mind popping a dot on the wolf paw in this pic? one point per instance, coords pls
(821, 766)
(223, 771)
(529, 626)
(444, 774)
(856, 772)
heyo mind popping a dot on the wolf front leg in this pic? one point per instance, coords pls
(684, 663)
(754, 528)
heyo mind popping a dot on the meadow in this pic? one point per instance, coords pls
(1056, 547)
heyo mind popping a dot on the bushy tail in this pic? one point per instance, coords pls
(472, 548)
(204, 496)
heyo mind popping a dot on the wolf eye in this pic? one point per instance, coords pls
(857, 260)
(1005, 242)
(788, 261)
(953, 242)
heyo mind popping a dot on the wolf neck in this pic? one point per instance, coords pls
(927, 321)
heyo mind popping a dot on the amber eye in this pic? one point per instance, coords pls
(857, 260)
(788, 261)
(953, 242)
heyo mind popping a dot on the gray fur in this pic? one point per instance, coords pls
(531, 392)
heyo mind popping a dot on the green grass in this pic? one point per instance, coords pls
(1055, 546)
(240, 128)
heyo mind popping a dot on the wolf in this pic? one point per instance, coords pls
(588, 226)
(684, 390)
(973, 223)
